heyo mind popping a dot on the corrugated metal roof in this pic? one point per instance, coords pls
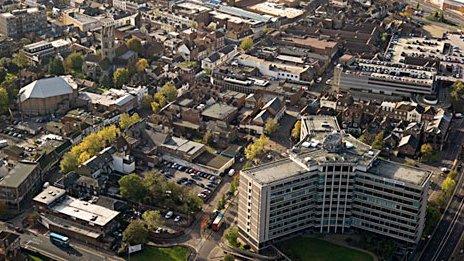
(48, 87)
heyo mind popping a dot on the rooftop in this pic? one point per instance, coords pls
(399, 172)
(18, 174)
(275, 9)
(49, 195)
(48, 87)
(219, 111)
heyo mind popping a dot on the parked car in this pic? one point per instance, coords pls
(169, 215)
(177, 219)
(231, 172)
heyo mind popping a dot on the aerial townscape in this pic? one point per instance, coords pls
(286, 130)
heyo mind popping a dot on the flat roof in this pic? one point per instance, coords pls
(18, 174)
(49, 195)
(275, 171)
(85, 211)
(276, 9)
(281, 66)
(399, 172)
(219, 111)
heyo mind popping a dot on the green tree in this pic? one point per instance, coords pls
(448, 186)
(135, 233)
(146, 101)
(271, 126)
(208, 137)
(4, 101)
(296, 130)
(69, 162)
(231, 236)
(169, 91)
(56, 67)
(246, 43)
(3, 74)
(21, 60)
(234, 184)
(378, 141)
(74, 62)
(135, 45)
(125, 121)
(105, 81)
(229, 257)
(222, 202)
(120, 77)
(153, 219)
(132, 187)
(432, 217)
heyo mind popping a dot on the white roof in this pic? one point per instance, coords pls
(48, 87)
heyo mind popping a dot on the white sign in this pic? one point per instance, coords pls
(136, 248)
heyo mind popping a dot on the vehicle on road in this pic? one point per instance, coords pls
(231, 172)
(444, 169)
(177, 219)
(59, 239)
(218, 221)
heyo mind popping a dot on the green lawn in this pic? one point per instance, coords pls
(306, 248)
(34, 258)
(149, 253)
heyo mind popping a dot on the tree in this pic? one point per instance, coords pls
(3, 74)
(448, 186)
(135, 45)
(208, 137)
(4, 101)
(169, 91)
(426, 151)
(21, 60)
(246, 43)
(135, 233)
(231, 236)
(125, 121)
(296, 130)
(105, 81)
(271, 126)
(141, 65)
(457, 90)
(222, 202)
(74, 62)
(234, 184)
(120, 77)
(155, 107)
(146, 101)
(132, 187)
(153, 219)
(160, 99)
(229, 257)
(257, 148)
(56, 67)
(378, 141)
(69, 163)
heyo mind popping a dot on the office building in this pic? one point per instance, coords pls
(331, 183)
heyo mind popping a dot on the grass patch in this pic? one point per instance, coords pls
(31, 257)
(306, 248)
(177, 253)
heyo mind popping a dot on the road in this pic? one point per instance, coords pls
(42, 244)
(430, 8)
(449, 230)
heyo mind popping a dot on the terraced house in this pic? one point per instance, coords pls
(331, 183)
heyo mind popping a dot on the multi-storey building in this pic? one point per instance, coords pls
(385, 78)
(17, 23)
(331, 183)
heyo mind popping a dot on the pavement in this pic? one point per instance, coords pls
(430, 8)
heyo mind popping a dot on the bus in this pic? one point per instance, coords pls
(217, 223)
(59, 239)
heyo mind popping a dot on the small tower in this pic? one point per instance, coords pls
(107, 39)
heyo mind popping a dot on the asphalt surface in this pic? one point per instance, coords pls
(449, 230)
(430, 8)
(42, 244)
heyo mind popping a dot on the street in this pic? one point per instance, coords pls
(430, 8)
(42, 244)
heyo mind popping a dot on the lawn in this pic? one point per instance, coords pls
(306, 248)
(34, 258)
(177, 253)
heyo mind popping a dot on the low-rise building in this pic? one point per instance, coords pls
(18, 23)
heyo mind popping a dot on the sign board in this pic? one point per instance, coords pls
(136, 248)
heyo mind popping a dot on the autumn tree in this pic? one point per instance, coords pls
(120, 77)
(246, 43)
(169, 91)
(135, 233)
(141, 65)
(296, 130)
(271, 126)
(457, 90)
(257, 148)
(152, 219)
(378, 141)
(69, 162)
(426, 151)
(448, 186)
(132, 187)
(135, 45)
(125, 121)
